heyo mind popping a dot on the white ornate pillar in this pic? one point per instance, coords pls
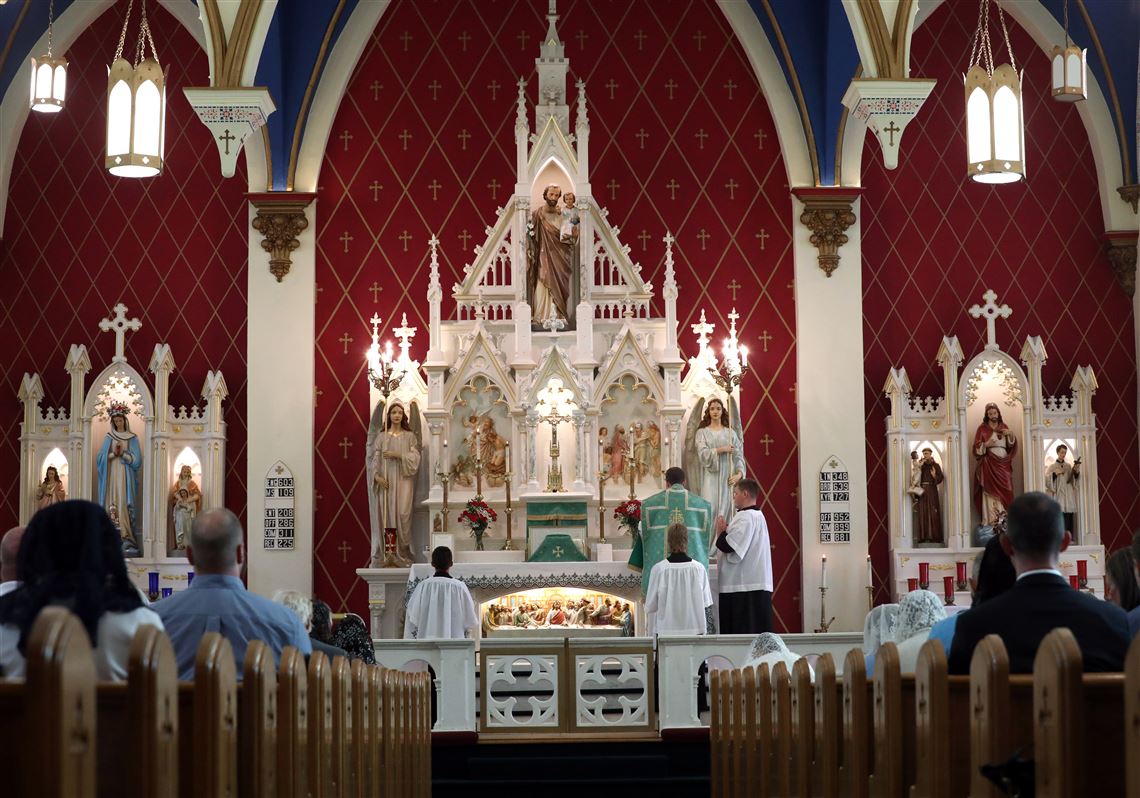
(532, 421)
(1084, 385)
(79, 470)
(580, 450)
(280, 353)
(214, 392)
(950, 357)
(829, 396)
(30, 394)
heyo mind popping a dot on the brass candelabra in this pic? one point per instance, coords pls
(444, 478)
(509, 545)
(824, 624)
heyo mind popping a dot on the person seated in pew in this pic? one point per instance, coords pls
(302, 606)
(879, 627)
(1120, 586)
(993, 574)
(770, 648)
(351, 636)
(919, 610)
(9, 551)
(679, 591)
(1041, 600)
(441, 606)
(217, 601)
(1134, 614)
(71, 555)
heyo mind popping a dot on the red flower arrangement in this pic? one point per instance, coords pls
(478, 514)
(628, 513)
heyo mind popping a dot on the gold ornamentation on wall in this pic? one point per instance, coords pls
(281, 220)
(1121, 249)
(827, 214)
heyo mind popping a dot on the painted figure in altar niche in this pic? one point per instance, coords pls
(654, 450)
(927, 503)
(570, 218)
(185, 500)
(1061, 483)
(395, 462)
(492, 453)
(720, 459)
(618, 448)
(550, 260)
(118, 462)
(50, 490)
(994, 450)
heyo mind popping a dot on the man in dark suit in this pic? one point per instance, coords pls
(1041, 600)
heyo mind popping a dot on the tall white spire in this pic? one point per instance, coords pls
(552, 66)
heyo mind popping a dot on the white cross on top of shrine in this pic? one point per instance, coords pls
(120, 325)
(702, 330)
(992, 311)
(405, 334)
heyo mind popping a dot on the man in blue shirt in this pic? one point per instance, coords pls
(217, 601)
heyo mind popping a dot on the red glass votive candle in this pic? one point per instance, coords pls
(961, 571)
(948, 588)
(1083, 570)
(911, 585)
(1075, 582)
(923, 574)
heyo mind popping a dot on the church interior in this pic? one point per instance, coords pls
(847, 284)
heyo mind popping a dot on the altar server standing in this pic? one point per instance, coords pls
(441, 606)
(744, 565)
(678, 590)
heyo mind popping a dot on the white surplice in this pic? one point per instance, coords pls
(676, 599)
(749, 565)
(440, 608)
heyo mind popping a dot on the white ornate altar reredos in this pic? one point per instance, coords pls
(488, 366)
(947, 425)
(70, 439)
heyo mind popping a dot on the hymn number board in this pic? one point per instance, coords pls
(834, 502)
(280, 507)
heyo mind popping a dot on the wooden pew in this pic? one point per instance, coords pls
(362, 729)
(292, 726)
(1132, 718)
(803, 728)
(376, 741)
(320, 717)
(750, 747)
(858, 732)
(393, 781)
(258, 722)
(343, 782)
(1058, 717)
(58, 732)
(782, 726)
(893, 713)
(152, 716)
(828, 730)
(422, 683)
(989, 712)
(735, 732)
(718, 733)
(214, 728)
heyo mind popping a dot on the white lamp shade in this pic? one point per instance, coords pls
(1070, 82)
(136, 118)
(995, 129)
(49, 84)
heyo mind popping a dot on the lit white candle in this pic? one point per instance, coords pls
(823, 571)
(508, 450)
(870, 573)
(446, 463)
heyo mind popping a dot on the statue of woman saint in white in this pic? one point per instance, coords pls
(395, 461)
(118, 462)
(720, 459)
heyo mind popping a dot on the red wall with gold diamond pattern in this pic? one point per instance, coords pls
(934, 242)
(76, 241)
(444, 73)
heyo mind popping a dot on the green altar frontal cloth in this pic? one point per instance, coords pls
(557, 547)
(657, 513)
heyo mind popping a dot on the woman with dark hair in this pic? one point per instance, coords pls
(993, 575)
(71, 556)
(1120, 580)
(352, 635)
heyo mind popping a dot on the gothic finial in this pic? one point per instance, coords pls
(520, 118)
(583, 119)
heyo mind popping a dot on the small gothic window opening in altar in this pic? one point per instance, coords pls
(555, 405)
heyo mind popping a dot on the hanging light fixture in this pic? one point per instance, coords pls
(136, 106)
(49, 75)
(995, 126)
(1069, 69)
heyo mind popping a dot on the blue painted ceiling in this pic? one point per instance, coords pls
(820, 56)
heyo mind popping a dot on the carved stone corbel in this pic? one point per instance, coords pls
(827, 214)
(1130, 194)
(1121, 248)
(280, 220)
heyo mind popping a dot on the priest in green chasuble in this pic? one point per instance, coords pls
(662, 509)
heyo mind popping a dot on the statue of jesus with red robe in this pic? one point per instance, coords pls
(994, 449)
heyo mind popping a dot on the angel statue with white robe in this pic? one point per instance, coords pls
(394, 462)
(716, 455)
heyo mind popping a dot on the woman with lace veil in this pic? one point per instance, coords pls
(919, 610)
(770, 648)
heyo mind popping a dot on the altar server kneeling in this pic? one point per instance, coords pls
(441, 606)
(744, 565)
(679, 589)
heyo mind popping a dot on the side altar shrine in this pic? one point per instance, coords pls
(552, 396)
